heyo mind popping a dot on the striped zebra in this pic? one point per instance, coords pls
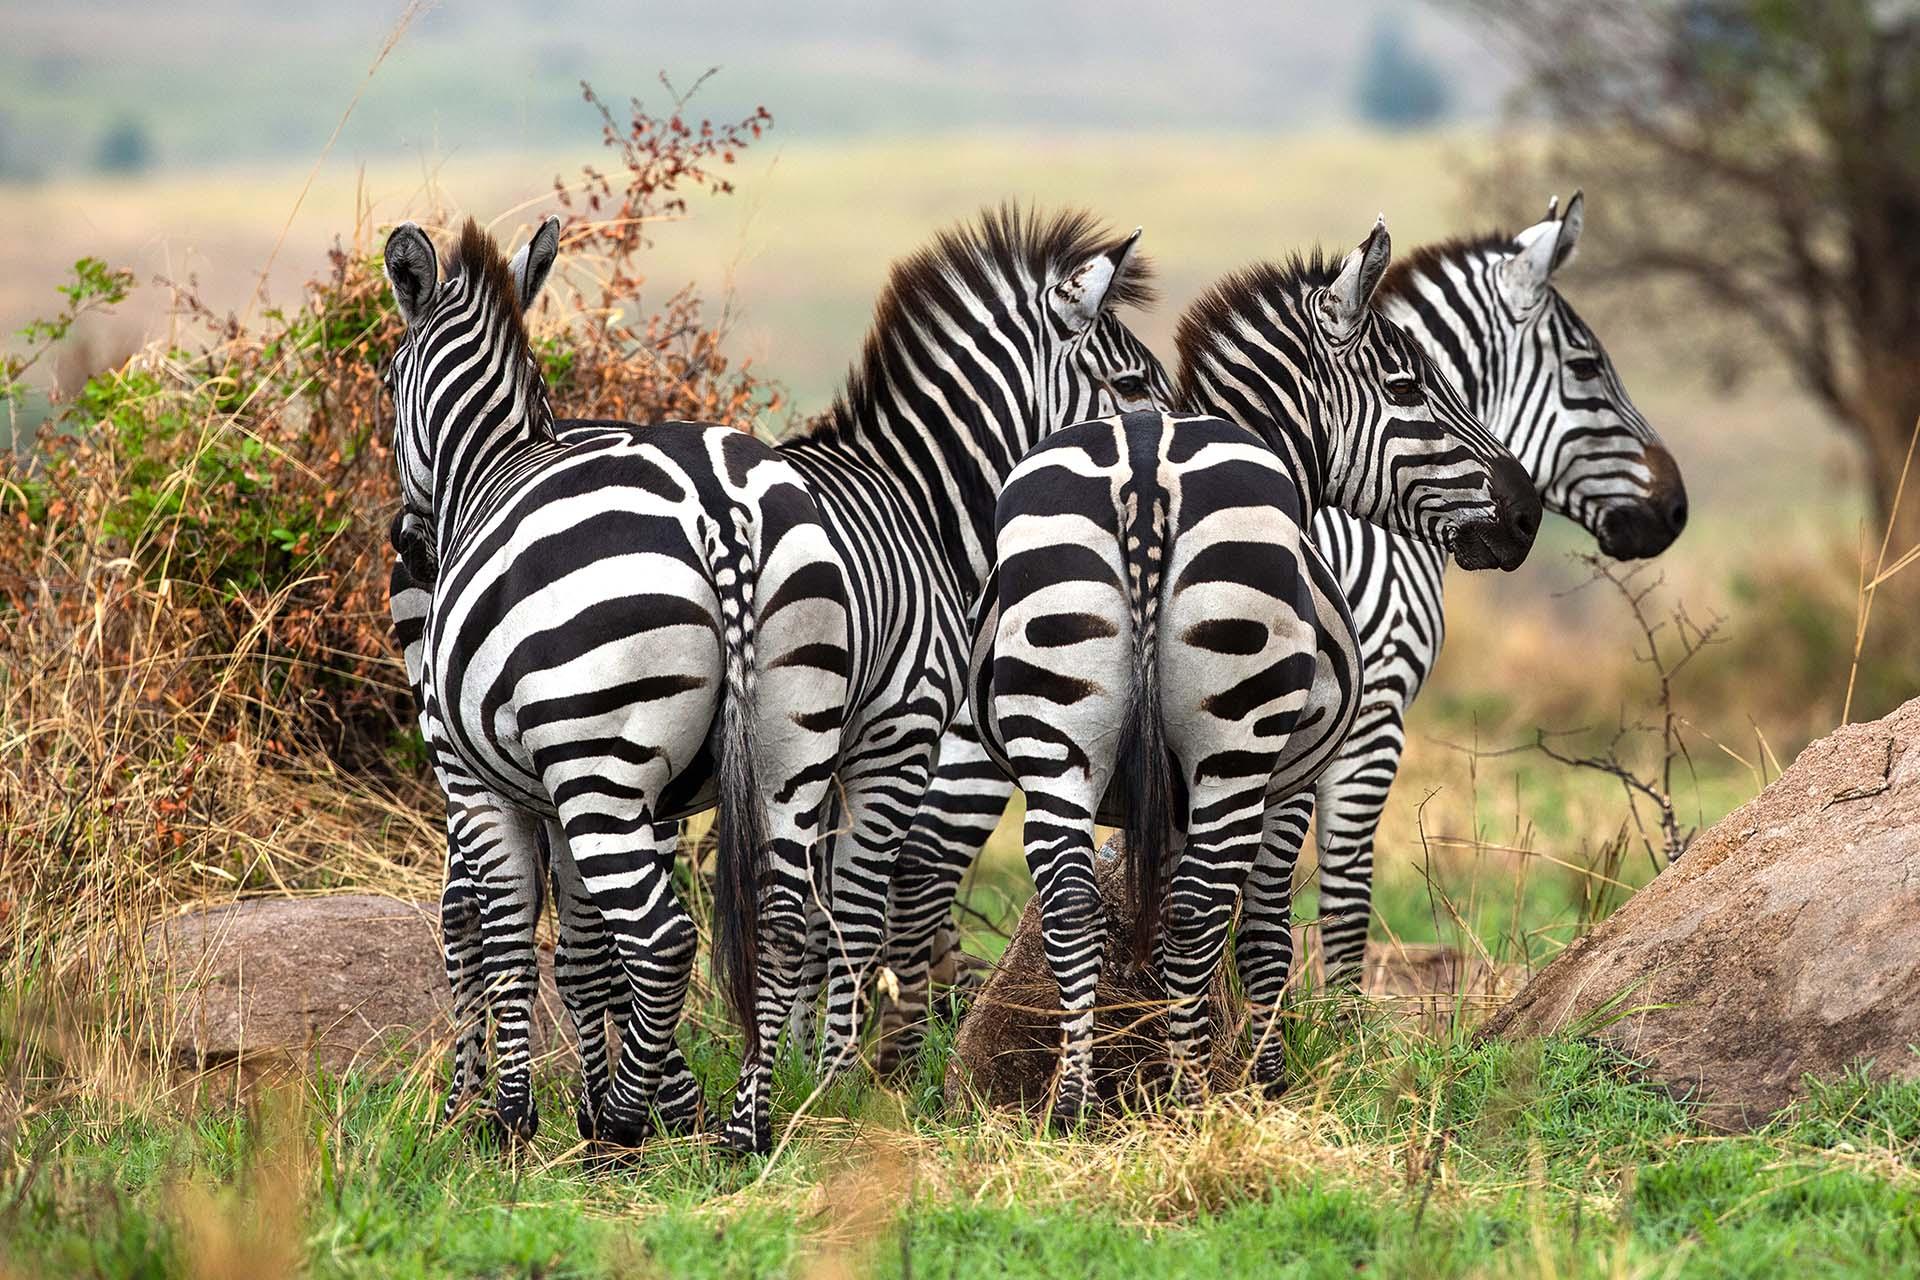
(995, 336)
(587, 967)
(627, 625)
(984, 343)
(1161, 645)
(1486, 313)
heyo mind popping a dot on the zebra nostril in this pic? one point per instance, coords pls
(1677, 515)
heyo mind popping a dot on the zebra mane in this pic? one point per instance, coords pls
(479, 260)
(970, 261)
(1247, 291)
(1428, 258)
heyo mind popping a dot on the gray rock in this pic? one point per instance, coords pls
(1785, 943)
(344, 981)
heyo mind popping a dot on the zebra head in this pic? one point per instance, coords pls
(1107, 370)
(1543, 383)
(463, 380)
(1301, 355)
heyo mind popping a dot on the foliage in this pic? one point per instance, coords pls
(229, 504)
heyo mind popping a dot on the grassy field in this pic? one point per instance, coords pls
(1396, 1154)
(1405, 1148)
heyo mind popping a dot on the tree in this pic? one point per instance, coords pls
(1765, 154)
(1398, 89)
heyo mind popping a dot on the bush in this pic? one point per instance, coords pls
(235, 499)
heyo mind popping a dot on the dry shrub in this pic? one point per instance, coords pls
(198, 691)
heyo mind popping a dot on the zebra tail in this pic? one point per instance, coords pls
(1144, 761)
(742, 820)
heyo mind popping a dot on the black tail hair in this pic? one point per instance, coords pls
(742, 821)
(1145, 765)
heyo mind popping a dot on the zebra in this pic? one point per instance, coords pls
(1003, 330)
(1485, 310)
(1160, 644)
(1000, 332)
(587, 968)
(627, 625)
(1487, 313)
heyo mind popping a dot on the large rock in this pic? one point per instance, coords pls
(1007, 1047)
(346, 981)
(1785, 943)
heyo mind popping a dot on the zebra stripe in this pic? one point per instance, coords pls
(1162, 645)
(998, 334)
(1487, 313)
(588, 627)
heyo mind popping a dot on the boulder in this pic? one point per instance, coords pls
(1785, 943)
(343, 981)
(1006, 1049)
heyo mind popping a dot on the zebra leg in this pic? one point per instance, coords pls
(959, 811)
(1059, 844)
(1352, 794)
(803, 1022)
(1263, 948)
(782, 945)
(504, 858)
(1226, 820)
(593, 985)
(586, 968)
(460, 945)
(655, 940)
(862, 869)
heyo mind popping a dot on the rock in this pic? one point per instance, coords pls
(345, 981)
(1785, 943)
(1007, 1046)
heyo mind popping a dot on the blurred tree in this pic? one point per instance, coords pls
(1766, 155)
(124, 148)
(1398, 89)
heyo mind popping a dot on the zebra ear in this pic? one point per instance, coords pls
(1544, 248)
(1079, 298)
(534, 262)
(413, 269)
(1351, 293)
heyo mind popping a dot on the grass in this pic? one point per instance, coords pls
(1396, 1154)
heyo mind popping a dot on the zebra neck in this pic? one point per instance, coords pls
(942, 483)
(485, 449)
(1287, 418)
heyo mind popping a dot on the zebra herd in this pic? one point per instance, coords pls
(1015, 551)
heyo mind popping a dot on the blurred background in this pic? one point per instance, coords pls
(1750, 190)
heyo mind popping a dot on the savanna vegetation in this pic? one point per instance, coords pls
(199, 700)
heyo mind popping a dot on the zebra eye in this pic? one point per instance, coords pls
(1584, 368)
(1130, 385)
(1404, 390)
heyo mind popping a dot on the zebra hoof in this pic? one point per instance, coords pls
(586, 1118)
(616, 1131)
(679, 1120)
(605, 1158)
(745, 1141)
(513, 1126)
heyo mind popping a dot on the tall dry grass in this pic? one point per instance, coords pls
(198, 693)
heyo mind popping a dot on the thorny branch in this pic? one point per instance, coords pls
(1667, 646)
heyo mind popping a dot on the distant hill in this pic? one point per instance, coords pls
(211, 81)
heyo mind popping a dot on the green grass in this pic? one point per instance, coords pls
(1414, 1157)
